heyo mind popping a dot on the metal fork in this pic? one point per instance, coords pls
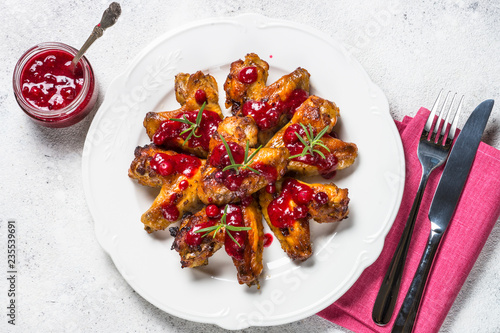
(432, 152)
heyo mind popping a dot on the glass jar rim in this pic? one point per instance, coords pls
(66, 111)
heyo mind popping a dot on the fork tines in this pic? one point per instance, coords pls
(433, 126)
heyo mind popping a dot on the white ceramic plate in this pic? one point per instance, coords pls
(289, 291)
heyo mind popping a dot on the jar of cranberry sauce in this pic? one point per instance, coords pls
(52, 91)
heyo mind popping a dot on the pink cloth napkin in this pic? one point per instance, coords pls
(476, 214)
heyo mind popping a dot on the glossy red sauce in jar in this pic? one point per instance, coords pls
(50, 90)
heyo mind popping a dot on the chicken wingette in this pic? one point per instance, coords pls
(237, 227)
(195, 247)
(287, 212)
(178, 175)
(194, 122)
(270, 106)
(313, 116)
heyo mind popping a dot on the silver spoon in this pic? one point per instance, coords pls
(109, 18)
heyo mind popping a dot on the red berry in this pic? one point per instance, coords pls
(35, 92)
(184, 184)
(160, 164)
(304, 196)
(232, 181)
(219, 176)
(200, 96)
(300, 212)
(248, 75)
(271, 188)
(321, 198)
(290, 137)
(166, 168)
(213, 211)
(68, 93)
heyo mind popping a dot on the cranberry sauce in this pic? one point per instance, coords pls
(49, 82)
(170, 129)
(291, 204)
(166, 165)
(220, 157)
(327, 166)
(170, 212)
(248, 75)
(234, 217)
(268, 239)
(267, 115)
(230, 178)
(194, 238)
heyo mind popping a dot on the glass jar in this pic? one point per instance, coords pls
(49, 90)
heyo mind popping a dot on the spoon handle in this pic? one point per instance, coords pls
(109, 17)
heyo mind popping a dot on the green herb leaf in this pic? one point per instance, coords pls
(246, 160)
(312, 141)
(223, 224)
(192, 126)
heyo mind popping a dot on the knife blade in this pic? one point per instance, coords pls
(459, 164)
(442, 208)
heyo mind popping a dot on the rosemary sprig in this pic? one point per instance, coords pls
(192, 126)
(312, 142)
(220, 225)
(246, 161)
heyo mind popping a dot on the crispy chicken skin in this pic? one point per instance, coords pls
(237, 93)
(140, 168)
(295, 240)
(194, 256)
(185, 89)
(186, 86)
(211, 191)
(318, 113)
(337, 207)
(185, 200)
(251, 266)
(237, 129)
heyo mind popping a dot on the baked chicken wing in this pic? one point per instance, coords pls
(287, 212)
(219, 186)
(238, 227)
(196, 247)
(198, 95)
(314, 114)
(269, 106)
(178, 175)
(249, 263)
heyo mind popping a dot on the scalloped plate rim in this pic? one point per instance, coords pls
(367, 261)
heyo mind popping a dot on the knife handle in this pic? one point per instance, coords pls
(408, 313)
(389, 290)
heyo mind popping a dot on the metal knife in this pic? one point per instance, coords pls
(442, 208)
